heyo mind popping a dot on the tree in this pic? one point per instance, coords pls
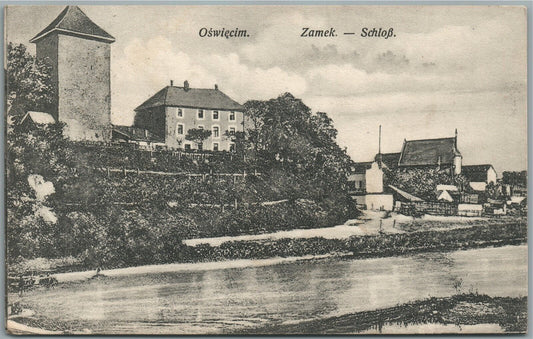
(238, 139)
(298, 150)
(29, 83)
(515, 178)
(198, 135)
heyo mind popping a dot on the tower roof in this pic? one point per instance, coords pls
(73, 21)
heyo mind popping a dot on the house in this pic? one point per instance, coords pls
(79, 53)
(480, 175)
(139, 136)
(174, 110)
(366, 183)
(436, 153)
(33, 119)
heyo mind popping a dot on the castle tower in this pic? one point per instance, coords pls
(79, 53)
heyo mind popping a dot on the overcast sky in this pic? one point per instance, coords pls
(448, 67)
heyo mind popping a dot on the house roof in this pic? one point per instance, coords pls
(73, 21)
(361, 167)
(389, 159)
(135, 133)
(404, 194)
(191, 97)
(476, 173)
(428, 152)
(40, 118)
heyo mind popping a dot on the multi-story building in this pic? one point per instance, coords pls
(79, 53)
(174, 110)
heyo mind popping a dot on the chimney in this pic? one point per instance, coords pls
(185, 85)
(216, 87)
(171, 83)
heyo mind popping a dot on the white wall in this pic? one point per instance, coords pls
(379, 201)
(374, 179)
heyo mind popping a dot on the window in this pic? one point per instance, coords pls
(187, 146)
(180, 113)
(200, 146)
(200, 114)
(200, 127)
(179, 129)
(215, 115)
(232, 147)
(216, 132)
(215, 146)
(232, 116)
(232, 131)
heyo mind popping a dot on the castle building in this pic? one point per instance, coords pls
(79, 52)
(174, 110)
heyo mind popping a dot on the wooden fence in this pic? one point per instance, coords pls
(423, 207)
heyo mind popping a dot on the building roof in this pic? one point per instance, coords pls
(428, 152)
(136, 134)
(361, 167)
(404, 194)
(389, 159)
(206, 98)
(476, 173)
(73, 21)
(40, 118)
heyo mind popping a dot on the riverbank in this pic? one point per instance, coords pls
(484, 233)
(458, 311)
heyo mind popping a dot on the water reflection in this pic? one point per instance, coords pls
(217, 300)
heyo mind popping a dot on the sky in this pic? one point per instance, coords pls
(447, 67)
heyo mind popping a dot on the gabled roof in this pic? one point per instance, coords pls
(476, 173)
(73, 21)
(389, 159)
(40, 118)
(192, 98)
(428, 152)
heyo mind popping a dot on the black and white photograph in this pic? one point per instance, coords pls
(265, 169)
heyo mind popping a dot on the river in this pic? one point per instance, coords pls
(213, 301)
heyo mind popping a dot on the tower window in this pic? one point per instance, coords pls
(179, 129)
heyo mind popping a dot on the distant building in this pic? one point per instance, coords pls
(436, 153)
(79, 53)
(172, 111)
(480, 175)
(441, 153)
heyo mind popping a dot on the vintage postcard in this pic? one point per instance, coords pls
(249, 170)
